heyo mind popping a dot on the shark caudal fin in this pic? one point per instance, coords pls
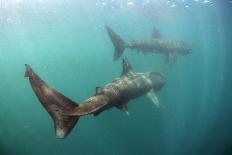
(118, 42)
(55, 104)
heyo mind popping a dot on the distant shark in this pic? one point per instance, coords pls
(156, 44)
(65, 112)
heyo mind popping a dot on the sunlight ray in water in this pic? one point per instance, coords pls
(77, 47)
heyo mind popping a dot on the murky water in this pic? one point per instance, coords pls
(67, 45)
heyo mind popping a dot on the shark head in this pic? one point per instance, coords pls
(157, 79)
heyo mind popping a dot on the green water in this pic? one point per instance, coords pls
(67, 45)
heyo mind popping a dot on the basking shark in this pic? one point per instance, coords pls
(155, 44)
(65, 112)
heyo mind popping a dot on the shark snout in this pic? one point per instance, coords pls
(158, 80)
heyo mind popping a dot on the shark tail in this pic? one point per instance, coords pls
(55, 104)
(118, 42)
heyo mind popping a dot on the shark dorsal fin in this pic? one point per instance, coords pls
(126, 66)
(155, 33)
(99, 90)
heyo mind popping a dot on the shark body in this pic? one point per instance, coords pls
(117, 93)
(155, 44)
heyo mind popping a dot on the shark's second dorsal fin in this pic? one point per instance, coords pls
(126, 66)
(155, 33)
(99, 90)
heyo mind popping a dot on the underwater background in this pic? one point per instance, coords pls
(67, 45)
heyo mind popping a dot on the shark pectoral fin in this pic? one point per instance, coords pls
(171, 57)
(124, 109)
(151, 94)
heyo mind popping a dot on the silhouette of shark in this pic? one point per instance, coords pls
(156, 44)
(65, 112)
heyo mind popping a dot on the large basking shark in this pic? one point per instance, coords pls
(65, 112)
(155, 44)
